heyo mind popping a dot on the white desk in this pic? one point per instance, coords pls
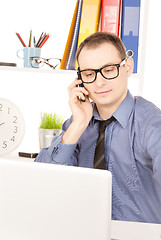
(135, 231)
(14, 156)
(119, 230)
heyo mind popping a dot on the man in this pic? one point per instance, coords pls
(132, 147)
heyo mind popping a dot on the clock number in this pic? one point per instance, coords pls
(1, 106)
(13, 138)
(8, 110)
(15, 129)
(4, 144)
(15, 119)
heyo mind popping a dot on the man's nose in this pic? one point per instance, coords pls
(100, 80)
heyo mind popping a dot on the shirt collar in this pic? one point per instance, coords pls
(125, 109)
(123, 112)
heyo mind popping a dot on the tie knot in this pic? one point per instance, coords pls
(103, 124)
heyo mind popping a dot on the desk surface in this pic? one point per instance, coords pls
(14, 156)
(135, 231)
(120, 230)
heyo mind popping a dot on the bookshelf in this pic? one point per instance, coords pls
(28, 88)
(39, 70)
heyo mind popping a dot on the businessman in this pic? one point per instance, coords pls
(112, 130)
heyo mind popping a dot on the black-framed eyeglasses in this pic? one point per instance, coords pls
(37, 62)
(109, 72)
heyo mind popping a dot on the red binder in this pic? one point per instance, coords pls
(110, 16)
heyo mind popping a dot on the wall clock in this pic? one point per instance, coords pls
(12, 126)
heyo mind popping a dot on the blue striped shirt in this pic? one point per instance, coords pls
(132, 154)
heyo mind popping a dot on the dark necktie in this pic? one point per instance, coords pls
(99, 151)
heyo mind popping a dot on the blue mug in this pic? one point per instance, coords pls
(29, 52)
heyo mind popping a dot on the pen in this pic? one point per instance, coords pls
(44, 41)
(19, 37)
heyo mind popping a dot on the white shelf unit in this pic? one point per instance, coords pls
(45, 89)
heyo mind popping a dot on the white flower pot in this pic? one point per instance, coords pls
(46, 136)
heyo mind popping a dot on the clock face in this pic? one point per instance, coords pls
(12, 126)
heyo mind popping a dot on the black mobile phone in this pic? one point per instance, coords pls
(27, 155)
(79, 77)
(80, 85)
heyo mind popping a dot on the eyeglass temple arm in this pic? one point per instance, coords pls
(50, 65)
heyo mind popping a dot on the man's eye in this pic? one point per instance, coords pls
(88, 74)
(109, 69)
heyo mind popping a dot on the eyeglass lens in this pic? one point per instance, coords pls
(108, 72)
(52, 62)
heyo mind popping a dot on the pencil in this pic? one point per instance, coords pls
(19, 37)
(44, 41)
(34, 40)
(37, 44)
(30, 38)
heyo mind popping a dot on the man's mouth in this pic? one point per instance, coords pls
(103, 92)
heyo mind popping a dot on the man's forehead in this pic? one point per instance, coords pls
(96, 57)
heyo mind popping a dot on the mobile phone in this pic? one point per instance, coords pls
(80, 85)
(27, 155)
(79, 77)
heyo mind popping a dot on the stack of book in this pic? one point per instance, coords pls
(120, 17)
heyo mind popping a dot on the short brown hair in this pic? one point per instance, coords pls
(95, 39)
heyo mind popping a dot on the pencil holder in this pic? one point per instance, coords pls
(27, 53)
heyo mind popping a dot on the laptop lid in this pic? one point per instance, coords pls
(41, 201)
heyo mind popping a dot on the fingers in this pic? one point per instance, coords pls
(77, 92)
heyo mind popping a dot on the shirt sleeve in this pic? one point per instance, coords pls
(153, 148)
(151, 142)
(58, 153)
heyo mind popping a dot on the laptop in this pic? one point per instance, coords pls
(40, 201)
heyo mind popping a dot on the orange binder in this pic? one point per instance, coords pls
(69, 40)
(89, 18)
(110, 16)
(71, 59)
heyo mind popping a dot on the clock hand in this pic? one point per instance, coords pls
(1, 123)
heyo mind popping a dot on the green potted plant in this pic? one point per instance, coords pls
(50, 126)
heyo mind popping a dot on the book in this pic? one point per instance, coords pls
(89, 19)
(74, 43)
(69, 39)
(130, 27)
(110, 16)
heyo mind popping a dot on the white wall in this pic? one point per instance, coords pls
(152, 75)
(52, 16)
(35, 92)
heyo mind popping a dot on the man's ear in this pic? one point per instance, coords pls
(129, 66)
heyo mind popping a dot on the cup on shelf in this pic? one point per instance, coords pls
(26, 53)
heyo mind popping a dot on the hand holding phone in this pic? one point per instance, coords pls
(80, 85)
